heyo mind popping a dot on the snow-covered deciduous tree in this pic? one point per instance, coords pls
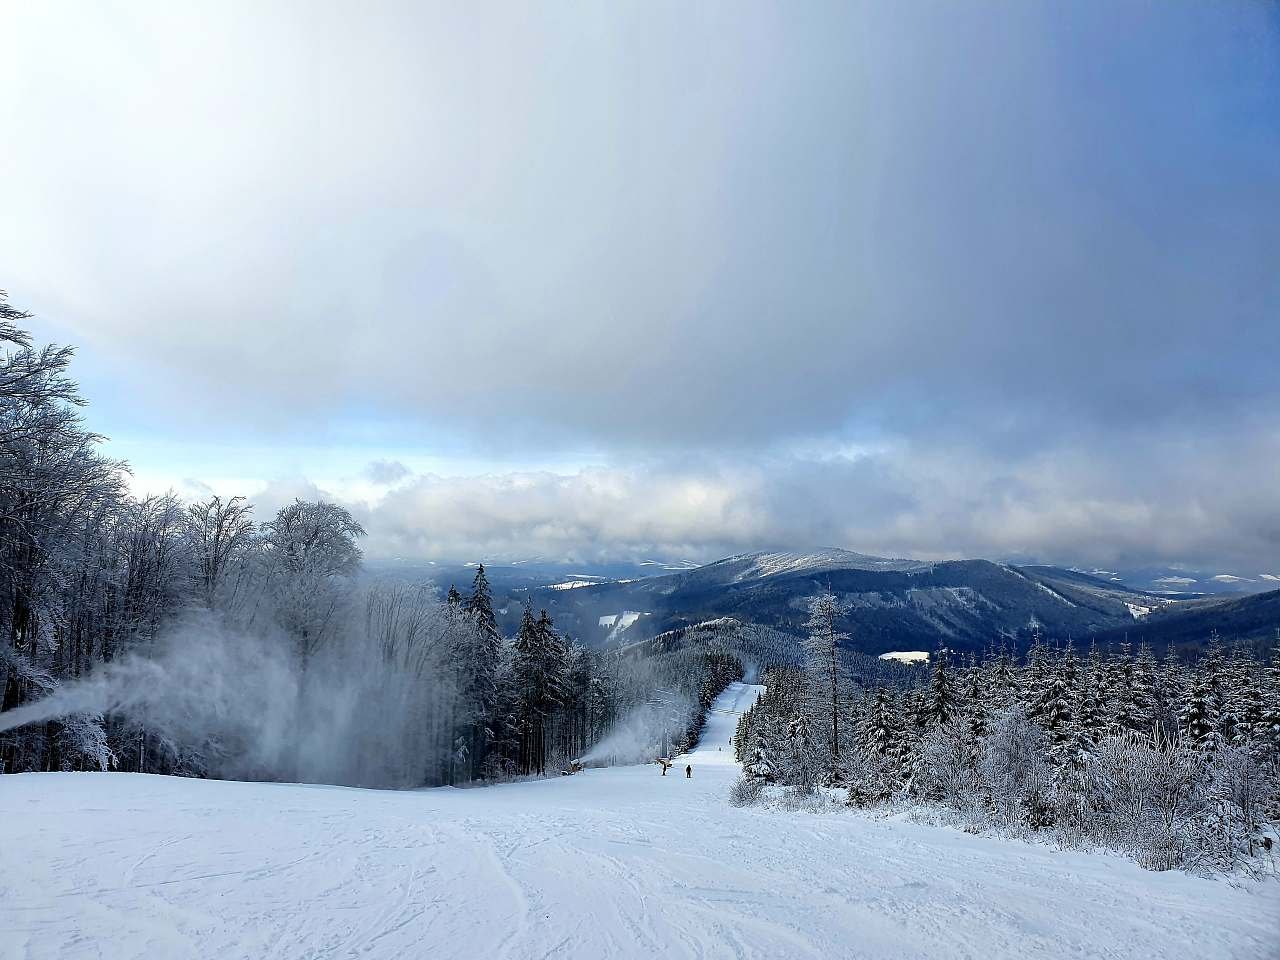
(221, 532)
(311, 553)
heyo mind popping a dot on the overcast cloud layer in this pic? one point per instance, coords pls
(922, 279)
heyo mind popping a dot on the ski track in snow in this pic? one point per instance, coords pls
(610, 863)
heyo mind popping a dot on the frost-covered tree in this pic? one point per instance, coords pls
(940, 704)
(822, 658)
(539, 677)
(311, 551)
(1199, 715)
(477, 663)
(61, 572)
(805, 759)
(221, 532)
(1086, 756)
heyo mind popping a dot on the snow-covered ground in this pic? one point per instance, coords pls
(906, 656)
(611, 863)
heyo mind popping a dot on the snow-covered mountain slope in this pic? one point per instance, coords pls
(750, 566)
(614, 863)
(715, 745)
(1253, 618)
(885, 604)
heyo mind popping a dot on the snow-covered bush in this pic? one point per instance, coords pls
(870, 778)
(758, 767)
(1241, 791)
(81, 743)
(746, 791)
(948, 768)
(1145, 798)
(1014, 770)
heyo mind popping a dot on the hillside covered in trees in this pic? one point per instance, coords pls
(1176, 765)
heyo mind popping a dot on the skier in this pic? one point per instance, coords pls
(688, 772)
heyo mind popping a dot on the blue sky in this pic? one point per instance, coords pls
(927, 279)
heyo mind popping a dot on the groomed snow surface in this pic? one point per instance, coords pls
(610, 863)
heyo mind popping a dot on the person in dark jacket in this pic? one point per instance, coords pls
(688, 772)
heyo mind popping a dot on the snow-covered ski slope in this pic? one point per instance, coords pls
(715, 746)
(611, 863)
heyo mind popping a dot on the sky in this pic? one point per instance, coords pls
(608, 281)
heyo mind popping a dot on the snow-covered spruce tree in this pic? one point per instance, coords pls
(822, 660)
(1241, 711)
(973, 700)
(759, 766)
(880, 729)
(1001, 687)
(1124, 712)
(477, 659)
(1091, 713)
(940, 704)
(806, 760)
(879, 766)
(756, 772)
(539, 678)
(1143, 692)
(555, 654)
(1168, 692)
(1198, 718)
(1269, 735)
(1264, 742)
(1054, 711)
(1035, 677)
(527, 681)
(573, 718)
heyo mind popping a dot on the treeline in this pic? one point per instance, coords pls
(1176, 765)
(762, 648)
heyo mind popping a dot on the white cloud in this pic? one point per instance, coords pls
(896, 502)
(621, 230)
(386, 473)
(775, 280)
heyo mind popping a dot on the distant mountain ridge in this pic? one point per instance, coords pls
(1252, 620)
(887, 604)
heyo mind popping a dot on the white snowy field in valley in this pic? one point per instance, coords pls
(611, 863)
